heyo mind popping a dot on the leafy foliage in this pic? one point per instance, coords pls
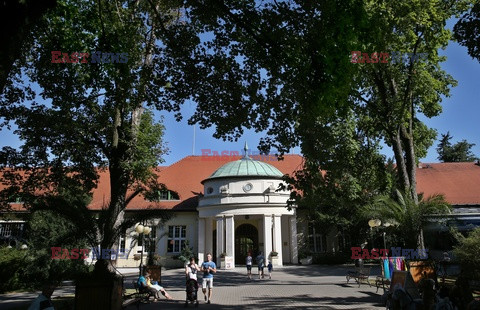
(94, 115)
(30, 268)
(467, 31)
(459, 152)
(186, 253)
(332, 195)
(467, 251)
(12, 261)
(405, 216)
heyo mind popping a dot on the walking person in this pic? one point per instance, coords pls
(261, 265)
(248, 262)
(270, 267)
(191, 282)
(208, 268)
(191, 269)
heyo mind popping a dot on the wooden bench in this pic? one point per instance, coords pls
(138, 297)
(360, 274)
(382, 282)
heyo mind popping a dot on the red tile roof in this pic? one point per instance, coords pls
(459, 182)
(184, 177)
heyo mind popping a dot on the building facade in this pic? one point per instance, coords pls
(232, 205)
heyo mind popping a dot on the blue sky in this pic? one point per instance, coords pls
(460, 116)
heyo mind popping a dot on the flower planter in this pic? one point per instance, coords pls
(274, 260)
(306, 261)
(226, 262)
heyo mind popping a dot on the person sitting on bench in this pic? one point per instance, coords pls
(145, 283)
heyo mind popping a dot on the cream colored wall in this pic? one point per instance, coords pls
(189, 219)
(302, 230)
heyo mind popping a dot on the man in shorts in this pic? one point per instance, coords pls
(208, 268)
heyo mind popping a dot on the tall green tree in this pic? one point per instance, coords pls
(353, 173)
(394, 94)
(95, 113)
(283, 67)
(459, 152)
(467, 31)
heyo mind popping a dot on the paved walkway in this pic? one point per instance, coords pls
(301, 287)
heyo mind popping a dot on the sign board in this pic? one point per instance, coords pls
(229, 262)
(404, 280)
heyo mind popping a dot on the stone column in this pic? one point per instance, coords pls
(220, 239)
(201, 240)
(261, 244)
(230, 236)
(277, 238)
(267, 235)
(208, 237)
(293, 239)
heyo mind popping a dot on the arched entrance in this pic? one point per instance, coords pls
(246, 239)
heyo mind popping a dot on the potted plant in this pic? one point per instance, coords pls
(222, 260)
(274, 258)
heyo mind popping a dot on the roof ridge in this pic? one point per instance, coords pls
(177, 162)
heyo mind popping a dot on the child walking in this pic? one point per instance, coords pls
(270, 267)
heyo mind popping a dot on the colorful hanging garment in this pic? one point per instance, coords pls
(390, 265)
(386, 270)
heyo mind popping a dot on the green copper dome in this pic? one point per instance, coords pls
(246, 167)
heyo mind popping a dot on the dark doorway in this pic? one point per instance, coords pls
(246, 239)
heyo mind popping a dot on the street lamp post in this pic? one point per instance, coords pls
(384, 241)
(142, 231)
(373, 223)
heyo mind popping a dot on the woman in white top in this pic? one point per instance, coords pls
(191, 269)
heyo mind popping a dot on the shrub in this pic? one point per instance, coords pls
(186, 253)
(12, 262)
(467, 252)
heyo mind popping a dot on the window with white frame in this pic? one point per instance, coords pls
(317, 241)
(123, 242)
(176, 238)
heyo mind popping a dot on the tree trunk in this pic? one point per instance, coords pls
(403, 177)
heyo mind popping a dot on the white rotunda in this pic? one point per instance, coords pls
(243, 211)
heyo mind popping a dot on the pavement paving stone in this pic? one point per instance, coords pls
(291, 287)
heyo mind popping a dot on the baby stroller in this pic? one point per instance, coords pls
(192, 288)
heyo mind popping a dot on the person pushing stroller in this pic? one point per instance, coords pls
(192, 282)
